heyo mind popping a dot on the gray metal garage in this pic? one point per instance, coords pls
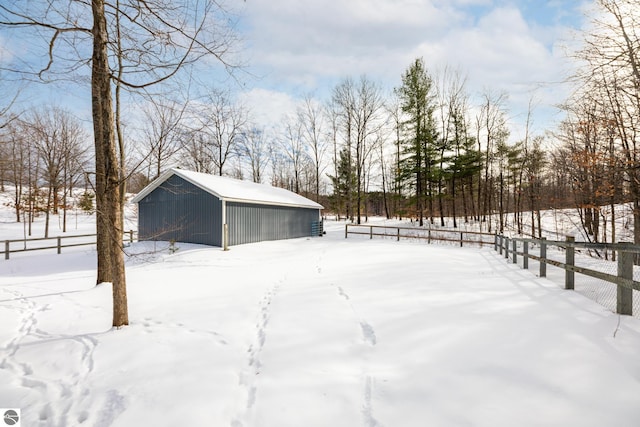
(194, 207)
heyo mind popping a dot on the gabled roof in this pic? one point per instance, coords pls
(233, 190)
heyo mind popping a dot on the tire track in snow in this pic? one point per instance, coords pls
(247, 378)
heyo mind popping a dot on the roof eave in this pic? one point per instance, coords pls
(263, 202)
(197, 184)
(153, 185)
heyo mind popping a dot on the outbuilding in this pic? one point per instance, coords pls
(193, 207)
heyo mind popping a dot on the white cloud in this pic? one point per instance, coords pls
(499, 50)
(335, 38)
(300, 46)
(267, 106)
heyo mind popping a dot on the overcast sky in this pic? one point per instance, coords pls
(517, 46)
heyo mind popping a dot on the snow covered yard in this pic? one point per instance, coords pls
(311, 332)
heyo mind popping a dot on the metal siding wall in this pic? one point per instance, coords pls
(180, 211)
(249, 223)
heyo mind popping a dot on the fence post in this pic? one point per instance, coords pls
(624, 304)
(371, 232)
(506, 247)
(6, 249)
(429, 236)
(130, 236)
(525, 257)
(569, 276)
(495, 242)
(515, 251)
(59, 245)
(398, 234)
(461, 239)
(501, 243)
(543, 257)
(346, 228)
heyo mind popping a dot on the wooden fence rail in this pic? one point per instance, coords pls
(624, 280)
(27, 244)
(428, 234)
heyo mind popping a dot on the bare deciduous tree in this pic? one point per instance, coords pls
(195, 152)
(610, 79)
(253, 148)
(58, 140)
(155, 41)
(293, 149)
(162, 134)
(221, 123)
(492, 130)
(310, 115)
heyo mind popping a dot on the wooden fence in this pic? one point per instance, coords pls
(29, 245)
(624, 280)
(428, 234)
(627, 254)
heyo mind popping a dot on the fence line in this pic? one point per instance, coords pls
(627, 253)
(514, 247)
(127, 236)
(428, 234)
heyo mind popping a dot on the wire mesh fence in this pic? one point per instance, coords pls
(584, 259)
(600, 291)
(571, 263)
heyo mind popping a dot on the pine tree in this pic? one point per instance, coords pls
(419, 133)
(464, 164)
(343, 182)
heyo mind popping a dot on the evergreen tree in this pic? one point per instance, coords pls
(464, 163)
(343, 182)
(419, 133)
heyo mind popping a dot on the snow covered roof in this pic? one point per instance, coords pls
(233, 190)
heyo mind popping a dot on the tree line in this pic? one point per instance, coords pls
(416, 152)
(427, 150)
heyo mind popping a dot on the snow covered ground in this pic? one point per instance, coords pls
(310, 332)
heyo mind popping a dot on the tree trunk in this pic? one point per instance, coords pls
(613, 227)
(539, 218)
(107, 168)
(464, 203)
(66, 189)
(47, 213)
(473, 208)
(18, 199)
(533, 210)
(384, 185)
(102, 226)
(453, 201)
(440, 204)
(501, 204)
(359, 192)
(636, 221)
